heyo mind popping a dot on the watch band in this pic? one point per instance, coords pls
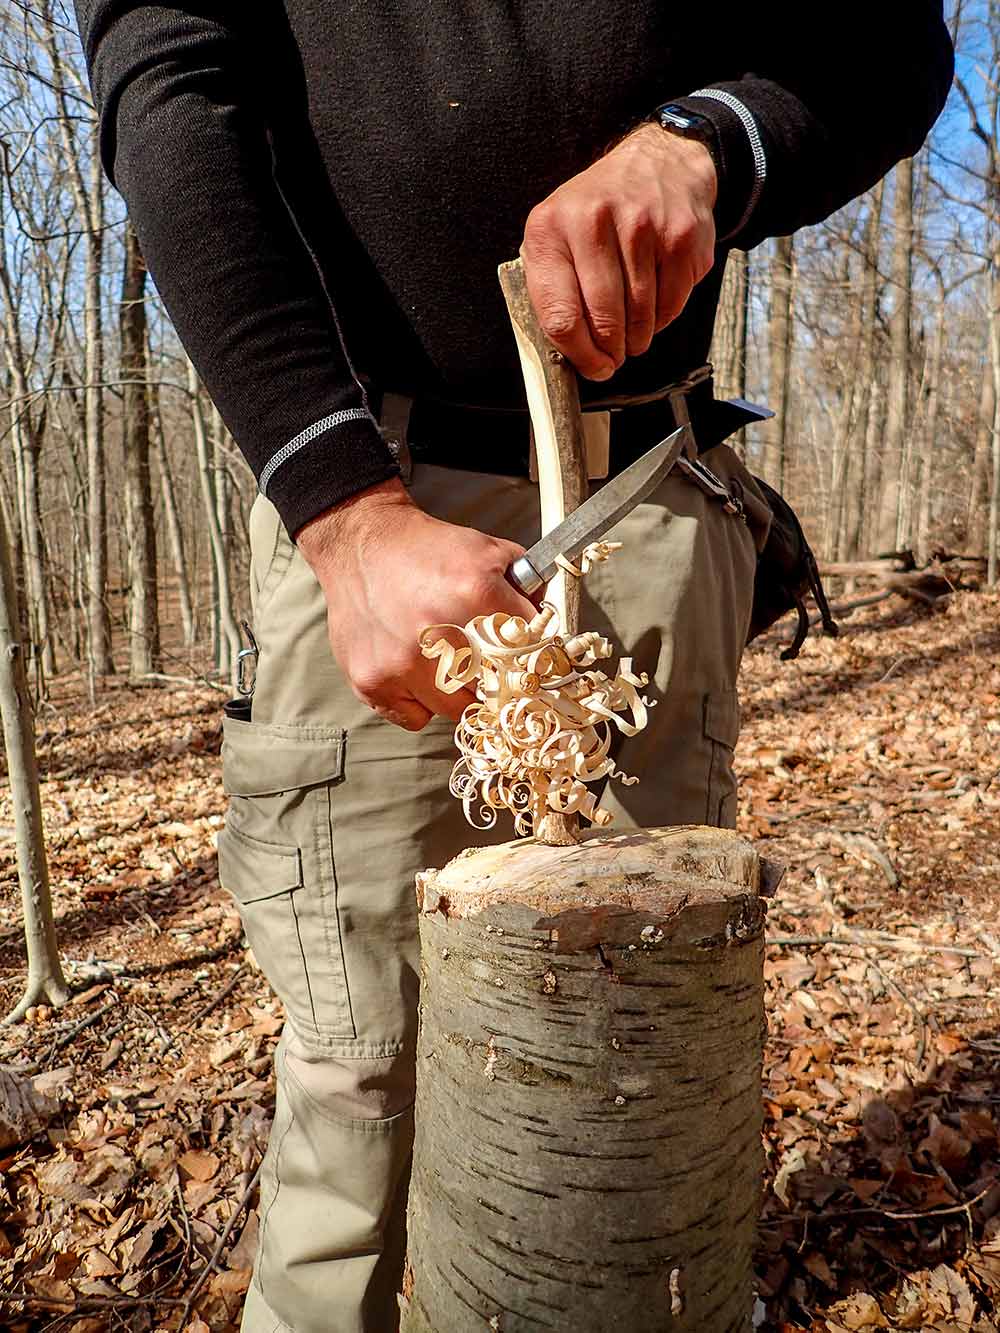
(690, 125)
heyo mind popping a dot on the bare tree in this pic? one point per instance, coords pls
(143, 618)
(229, 634)
(779, 359)
(46, 983)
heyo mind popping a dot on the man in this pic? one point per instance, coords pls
(323, 192)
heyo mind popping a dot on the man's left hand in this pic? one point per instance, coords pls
(611, 257)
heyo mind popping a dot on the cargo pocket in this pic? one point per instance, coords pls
(722, 729)
(276, 857)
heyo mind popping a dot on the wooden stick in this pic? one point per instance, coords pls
(557, 422)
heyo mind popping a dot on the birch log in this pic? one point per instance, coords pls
(588, 1110)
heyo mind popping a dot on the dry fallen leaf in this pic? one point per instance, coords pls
(200, 1166)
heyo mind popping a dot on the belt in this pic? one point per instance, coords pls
(428, 429)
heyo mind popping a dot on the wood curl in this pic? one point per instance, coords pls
(541, 728)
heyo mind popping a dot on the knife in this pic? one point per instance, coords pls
(596, 516)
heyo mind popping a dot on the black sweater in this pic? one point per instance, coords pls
(324, 189)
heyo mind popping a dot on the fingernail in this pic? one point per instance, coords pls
(604, 373)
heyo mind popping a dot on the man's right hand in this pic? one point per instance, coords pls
(388, 571)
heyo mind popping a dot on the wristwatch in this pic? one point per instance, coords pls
(689, 125)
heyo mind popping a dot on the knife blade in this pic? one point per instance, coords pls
(596, 516)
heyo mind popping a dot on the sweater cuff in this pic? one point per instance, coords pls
(742, 159)
(329, 461)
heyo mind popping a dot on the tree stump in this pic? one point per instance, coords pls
(588, 1152)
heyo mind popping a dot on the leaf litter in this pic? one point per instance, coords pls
(869, 769)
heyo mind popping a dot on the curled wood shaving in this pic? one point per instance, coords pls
(541, 727)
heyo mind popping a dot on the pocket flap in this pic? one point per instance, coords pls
(722, 717)
(252, 870)
(261, 759)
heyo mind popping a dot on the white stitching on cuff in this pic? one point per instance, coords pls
(756, 147)
(304, 437)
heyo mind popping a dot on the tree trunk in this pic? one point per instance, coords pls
(98, 617)
(591, 1034)
(46, 983)
(927, 461)
(840, 444)
(172, 516)
(729, 348)
(860, 465)
(779, 359)
(27, 446)
(230, 634)
(976, 513)
(891, 508)
(143, 619)
(993, 531)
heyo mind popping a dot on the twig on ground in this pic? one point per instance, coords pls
(209, 1005)
(77, 1028)
(907, 657)
(220, 1245)
(84, 1303)
(834, 1214)
(180, 680)
(866, 845)
(870, 940)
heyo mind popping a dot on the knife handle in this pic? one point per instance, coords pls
(524, 576)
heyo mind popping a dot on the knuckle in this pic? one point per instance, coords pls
(540, 222)
(683, 230)
(559, 319)
(641, 299)
(597, 216)
(636, 222)
(607, 329)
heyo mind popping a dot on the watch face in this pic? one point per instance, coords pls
(687, 123)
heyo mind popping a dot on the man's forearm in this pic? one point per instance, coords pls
(185, 139)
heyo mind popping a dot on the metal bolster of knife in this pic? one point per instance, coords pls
(525, 576)
(598, 514)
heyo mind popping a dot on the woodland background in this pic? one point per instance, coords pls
(876, 337)
(869, 767)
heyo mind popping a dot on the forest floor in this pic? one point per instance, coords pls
(870, 770)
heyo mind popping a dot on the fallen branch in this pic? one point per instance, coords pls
(87, 1302)
(209, 1005)
(867, 848)
(220, 1245)
(181, 680)
(870, 940)
(82, 1026)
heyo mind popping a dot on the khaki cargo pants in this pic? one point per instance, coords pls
(332, 812)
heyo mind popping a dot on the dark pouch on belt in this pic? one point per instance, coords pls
(786, 574)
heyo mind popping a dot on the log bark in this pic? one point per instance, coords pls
(588, 1090)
